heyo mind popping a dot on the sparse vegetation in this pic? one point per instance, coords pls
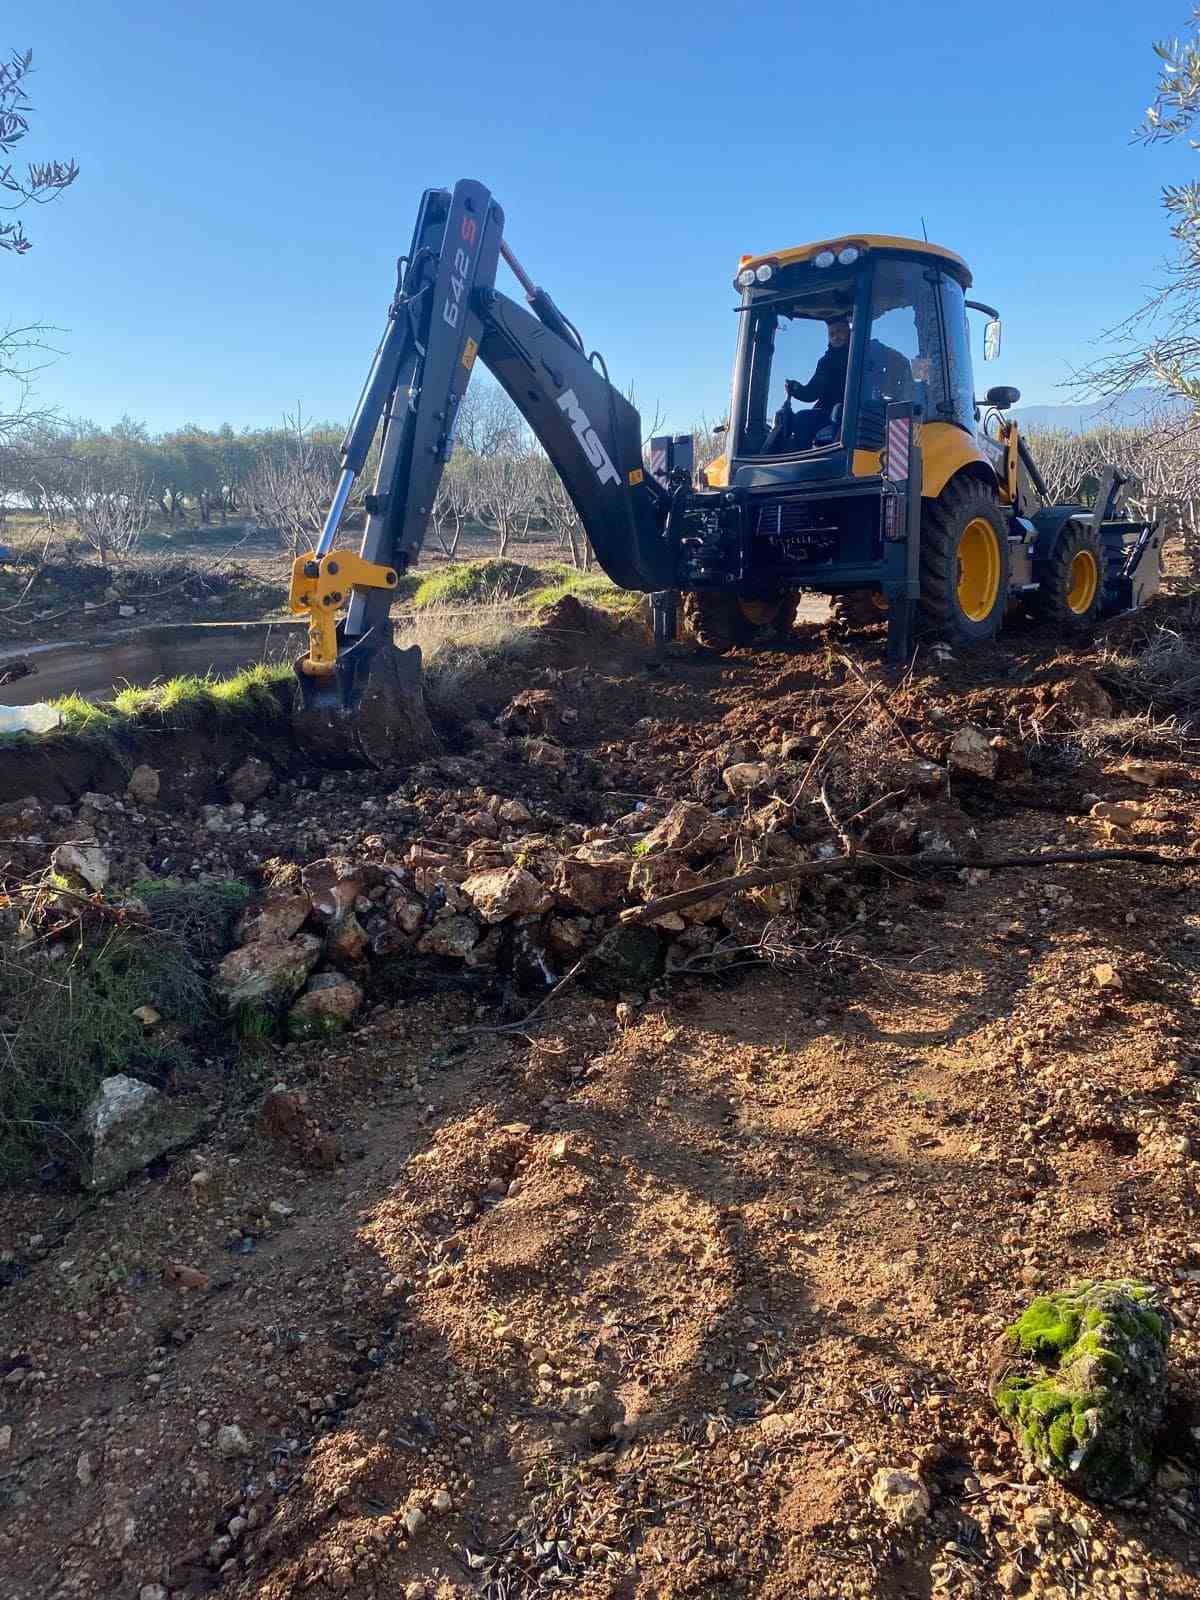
(69, 1022)
(1162, 673)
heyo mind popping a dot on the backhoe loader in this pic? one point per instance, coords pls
(898, 493)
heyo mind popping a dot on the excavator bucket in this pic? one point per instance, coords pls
(370, 710)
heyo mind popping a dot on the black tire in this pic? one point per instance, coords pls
(964, 600)
(719, 620)
(1071, 589)
(860, 608)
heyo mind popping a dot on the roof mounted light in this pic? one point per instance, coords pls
(764, 273)
(849, 255)
(824, 258)
(745, 278)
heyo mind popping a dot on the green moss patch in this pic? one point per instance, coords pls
(1081, 1380)
(470, 583)
(501, 582)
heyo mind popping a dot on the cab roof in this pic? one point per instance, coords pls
(864, 241)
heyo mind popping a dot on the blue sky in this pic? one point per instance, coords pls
(251, 171)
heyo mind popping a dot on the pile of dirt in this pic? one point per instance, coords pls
(685, 1282)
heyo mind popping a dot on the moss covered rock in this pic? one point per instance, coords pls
(1081, 1378)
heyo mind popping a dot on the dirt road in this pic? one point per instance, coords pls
(635, 1300)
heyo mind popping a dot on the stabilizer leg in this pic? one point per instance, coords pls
(664, 608)
(901, 615)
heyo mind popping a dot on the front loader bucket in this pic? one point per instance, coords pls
(370, 709)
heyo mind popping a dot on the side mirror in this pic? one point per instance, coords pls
(991, 339)
(721, 427)
(1002, 396)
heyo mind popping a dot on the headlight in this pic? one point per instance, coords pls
(848, 255)
(764, 272)
(745, 278)
(823, 258)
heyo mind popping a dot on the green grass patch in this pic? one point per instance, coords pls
(178, 704)
(188, 701)
(497, 582)
(82, 716)
(199, 915)
(593, 587)
(470, 583)
(70, 1022)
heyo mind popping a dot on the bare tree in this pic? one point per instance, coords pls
(488, 422)
(1161, 457)
(561, 517)
(112, 518)
(291, 488)
(507, 493)
(454, 502)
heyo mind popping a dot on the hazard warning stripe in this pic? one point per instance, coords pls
(899, 431)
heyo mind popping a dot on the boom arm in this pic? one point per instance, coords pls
(446, 314)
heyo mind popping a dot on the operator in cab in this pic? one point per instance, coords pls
(826, 388)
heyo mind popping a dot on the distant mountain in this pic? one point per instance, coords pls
(1134, 407)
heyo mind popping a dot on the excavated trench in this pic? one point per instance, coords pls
(97, 668)
(58, 768)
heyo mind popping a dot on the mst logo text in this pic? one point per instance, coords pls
(588, 437)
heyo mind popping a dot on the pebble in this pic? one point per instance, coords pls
(280, 1208)
(231, 1441)
(83, 1470)
(901, 1497)
(152, 1591)
(5, 1438)
(414, 1520)
(442, 1502)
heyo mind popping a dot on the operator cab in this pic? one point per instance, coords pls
(898, 308)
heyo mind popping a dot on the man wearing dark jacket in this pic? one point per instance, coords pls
(826, 389)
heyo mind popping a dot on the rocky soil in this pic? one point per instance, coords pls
(681, 1279)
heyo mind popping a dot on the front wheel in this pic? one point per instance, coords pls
(964, 562)
(1071, 591)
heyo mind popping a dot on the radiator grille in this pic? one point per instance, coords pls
(784, 518)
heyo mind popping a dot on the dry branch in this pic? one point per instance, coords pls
(760, 877)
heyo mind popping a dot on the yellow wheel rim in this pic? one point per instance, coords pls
(1083, 579)
(978, 569)
(759, 612)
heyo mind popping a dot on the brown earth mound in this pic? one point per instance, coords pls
(637, 1293)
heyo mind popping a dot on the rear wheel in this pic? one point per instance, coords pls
(1071, 592)
(964, 562)
(721, 621)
